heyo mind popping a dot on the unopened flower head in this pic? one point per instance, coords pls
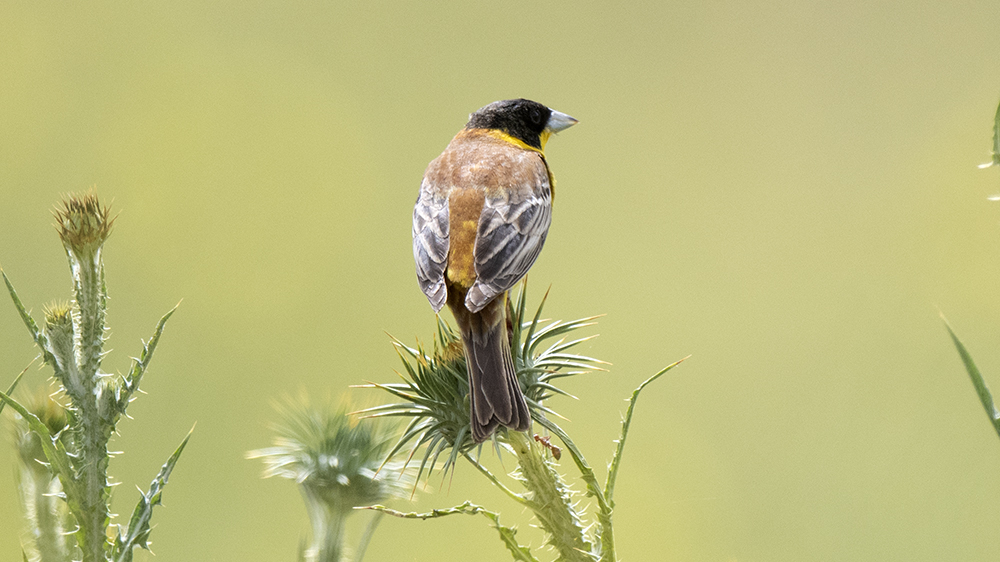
(52, 414)
(59, 320)
(59, 335)
(83, 223)
(335, 458)
(435, 389)
(58, 315)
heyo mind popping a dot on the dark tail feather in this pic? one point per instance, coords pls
(494, 393)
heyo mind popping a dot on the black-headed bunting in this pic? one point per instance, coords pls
(481, 218)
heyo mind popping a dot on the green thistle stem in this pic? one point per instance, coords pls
(94, 431)
(91, 302)
(93, 468)
(46, 527)
(367, 536)
(550, 500)
(604, 511)
(328, 527)
(496, 482)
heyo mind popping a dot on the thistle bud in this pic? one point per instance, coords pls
(58, 316)
(83, 224)
(29, 447)
(337, 462)
(59, 335)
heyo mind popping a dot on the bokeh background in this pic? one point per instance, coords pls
(785, 190)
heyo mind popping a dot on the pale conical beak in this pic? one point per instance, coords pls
(559, 122)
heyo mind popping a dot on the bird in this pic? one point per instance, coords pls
(479, 223)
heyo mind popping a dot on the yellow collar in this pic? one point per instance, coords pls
(495, 133)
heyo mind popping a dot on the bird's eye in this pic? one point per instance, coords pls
(536, 117)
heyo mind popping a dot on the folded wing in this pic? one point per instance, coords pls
(430, 244)
(512, 230)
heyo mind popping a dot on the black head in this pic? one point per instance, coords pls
(522, 119)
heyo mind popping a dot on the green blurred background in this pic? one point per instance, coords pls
(786, 190)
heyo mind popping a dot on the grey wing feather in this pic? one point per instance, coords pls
(430, 245)
(511, 234)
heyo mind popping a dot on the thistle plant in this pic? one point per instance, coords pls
(434, 396)
(335, 461)
(71, 342)
(978, 382)
(46, 513)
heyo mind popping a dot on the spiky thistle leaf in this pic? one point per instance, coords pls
(29, 322)
(130, 382)
(983, 391)
(995, 161)
(507, 534)
(137, 534)
(13, 385)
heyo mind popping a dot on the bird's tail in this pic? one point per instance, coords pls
(494, 394)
